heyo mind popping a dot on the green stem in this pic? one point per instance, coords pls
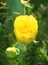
(24, 10)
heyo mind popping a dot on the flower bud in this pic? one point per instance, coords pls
(11, 52)
(25, 2)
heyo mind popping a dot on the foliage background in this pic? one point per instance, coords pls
(37, 54)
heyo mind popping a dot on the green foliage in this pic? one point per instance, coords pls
(35, 53)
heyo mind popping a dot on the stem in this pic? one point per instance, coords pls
(24, 10)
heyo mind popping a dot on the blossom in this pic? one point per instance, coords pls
(25, 28)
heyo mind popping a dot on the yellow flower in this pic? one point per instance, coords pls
(25, 28)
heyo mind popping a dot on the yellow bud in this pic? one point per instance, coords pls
(25, 28)
(25, 2)
(11, 52)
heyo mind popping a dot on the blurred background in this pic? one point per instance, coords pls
(37, 53)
